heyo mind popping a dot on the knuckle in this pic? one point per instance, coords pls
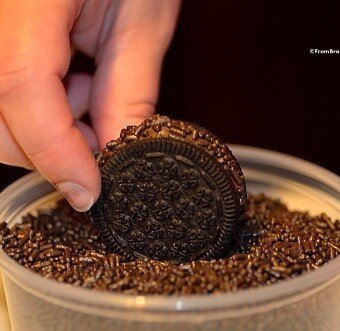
(48, 149)
(14, 74)
(41, 152)
(142, 109)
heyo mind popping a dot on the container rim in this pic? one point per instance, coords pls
(284, 292)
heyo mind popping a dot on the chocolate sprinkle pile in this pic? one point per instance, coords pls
(274, 244)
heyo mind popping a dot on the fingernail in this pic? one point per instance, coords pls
(78, 196)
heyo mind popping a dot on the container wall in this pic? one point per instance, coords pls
(320, 311)
(4, 320)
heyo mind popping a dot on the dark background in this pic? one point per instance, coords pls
(243, 70)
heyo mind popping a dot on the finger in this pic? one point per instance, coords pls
(10, 151)
(73, 51)
(51, 141)
(129, 58)
(89, 135)
(78, 91)
(34, 103)
(86, 29)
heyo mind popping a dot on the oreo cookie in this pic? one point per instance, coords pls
(170, 191)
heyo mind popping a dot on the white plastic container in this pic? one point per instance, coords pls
(308, 302)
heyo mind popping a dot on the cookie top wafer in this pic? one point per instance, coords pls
(170, 191)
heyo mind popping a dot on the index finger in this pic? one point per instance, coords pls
(33, 101)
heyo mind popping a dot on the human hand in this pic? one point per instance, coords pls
(39, 119)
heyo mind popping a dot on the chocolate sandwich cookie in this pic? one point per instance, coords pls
(170, 191)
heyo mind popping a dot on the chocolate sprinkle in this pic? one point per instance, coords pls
(275, 244)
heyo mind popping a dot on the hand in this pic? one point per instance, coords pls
(39, 126)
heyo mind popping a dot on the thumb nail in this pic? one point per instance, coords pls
(78, 196)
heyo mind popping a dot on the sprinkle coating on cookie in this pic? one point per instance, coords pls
(170, 191)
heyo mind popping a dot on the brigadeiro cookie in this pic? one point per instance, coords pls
(170, 191)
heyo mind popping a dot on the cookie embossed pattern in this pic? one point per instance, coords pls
(171, 191)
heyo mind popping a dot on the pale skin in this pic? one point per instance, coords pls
(39, 118)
